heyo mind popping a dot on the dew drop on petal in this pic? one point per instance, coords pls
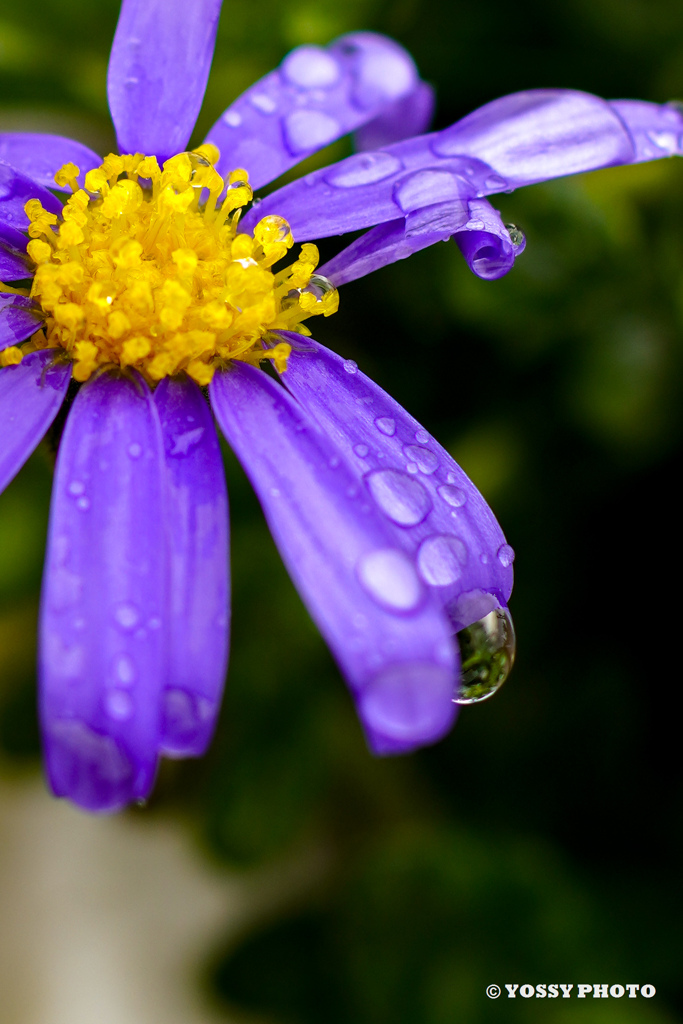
(135, 450)
(350, 366)
(487, 651)
(186, 717)
(453, 496)
(310, 67)
(83, 504)
(425, 459)
(495, 183)
(440, 559)
(425, 188)
(363, 169)
(402, 498)
(124, 670)
(76, 487)
(389, 578)
(516, 234)
(126, 615)
(386, 425)
(232, 118)
(310, 129)
(261, 101)
(506, 555)
(421, 436)
(90, 767)
(361, 450)
(119, 705)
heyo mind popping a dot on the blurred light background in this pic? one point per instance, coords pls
(289, 878)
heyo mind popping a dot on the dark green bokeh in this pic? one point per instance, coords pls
(541, 842)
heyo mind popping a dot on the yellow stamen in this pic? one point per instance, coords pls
(146, 269)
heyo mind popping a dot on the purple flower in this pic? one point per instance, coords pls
(147, 286)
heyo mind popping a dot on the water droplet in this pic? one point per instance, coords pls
(76, 487)
(506, 555)
(135, 450)
(421, 436)
(363, 169)
(232, 118)
(386, 425)
(119, 705)
(361, 450)
(83, 503)
(402, 498)
(389, 577)
(310, 67)
(183, 443)
(310, 129)
(124, 670)
(350, 366)
(425, 459)
(412, 468)
(266, 104)
(126, 615)
(516, 234)
(453, 496)
(487, 651)
(318, 286)
(495, 183)
(425, 188)
(440, 560)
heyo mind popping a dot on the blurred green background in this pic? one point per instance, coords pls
(541, 841)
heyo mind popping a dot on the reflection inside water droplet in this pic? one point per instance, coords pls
(487, 651)
(516, 234)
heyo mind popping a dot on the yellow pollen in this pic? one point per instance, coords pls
(146, 269)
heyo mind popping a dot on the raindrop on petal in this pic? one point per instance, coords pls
(402, 498)
(310, 67)
(487, 651)
(386, 425)
(425, 459)
(389, 578)
(350, 366)
(453, 496)
(363, 169)
(506, 555)
(516, 234)
(440, 560)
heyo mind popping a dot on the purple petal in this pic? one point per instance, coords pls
(199, 597)
(158, 69)
(540, 134)
(656, 130)
(14, 263)
(15, 190)
(396, 240)
(41, 156)
(517, 140)
(372, 188)
(486, 244)
(31, 394)
(314, 97)
(102, 615)
(392, 643)
(410, 115)
(18, 319)
(430, 506)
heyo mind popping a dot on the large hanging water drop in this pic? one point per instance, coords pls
(487, 651)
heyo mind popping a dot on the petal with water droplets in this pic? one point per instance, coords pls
(199, 585)
(158, 70)
(656, 129)
(314, 97)
(102, 613)
(433, 510)
(41, 156)
(539, 134)
(31, 394)
(388, 635)
(15, 191)
(18, 319)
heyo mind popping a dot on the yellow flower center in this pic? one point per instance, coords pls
(146, 269)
